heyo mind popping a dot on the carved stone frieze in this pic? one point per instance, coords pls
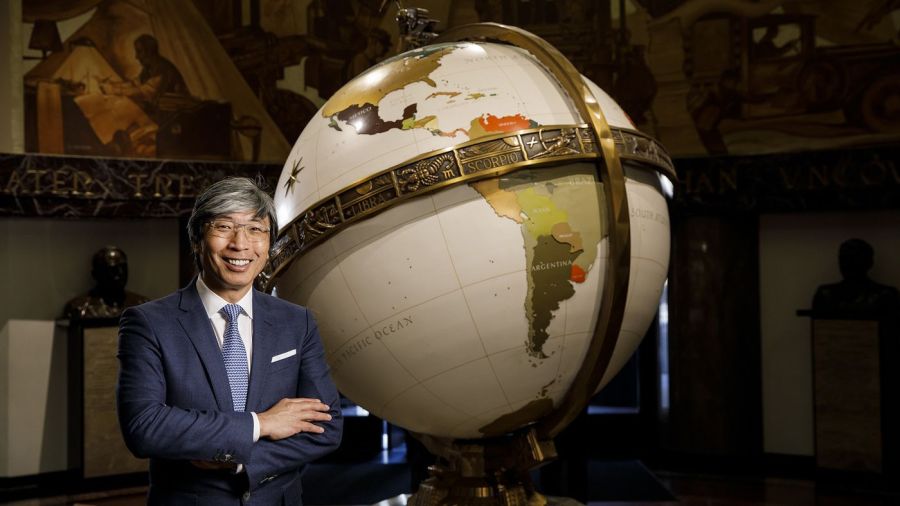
(81, 187)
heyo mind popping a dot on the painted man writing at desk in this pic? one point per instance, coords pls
(224, 388)
(158, 76)
(126, 114)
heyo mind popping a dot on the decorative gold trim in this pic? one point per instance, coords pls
(488, 156)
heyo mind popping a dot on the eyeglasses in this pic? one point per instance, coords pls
(227, 229)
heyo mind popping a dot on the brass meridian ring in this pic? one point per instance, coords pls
(615, 285)
(484, 157)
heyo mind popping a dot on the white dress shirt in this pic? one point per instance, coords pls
(213, 304)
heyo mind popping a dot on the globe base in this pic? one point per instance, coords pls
(488, 491)
(490, 472)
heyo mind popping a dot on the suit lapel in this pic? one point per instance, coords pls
(195, 323)
(263, 341)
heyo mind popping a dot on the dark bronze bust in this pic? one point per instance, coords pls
(108, 298)
(857, 296)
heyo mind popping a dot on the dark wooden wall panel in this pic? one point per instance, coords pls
(714, 337)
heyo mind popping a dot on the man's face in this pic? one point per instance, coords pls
(231, 261)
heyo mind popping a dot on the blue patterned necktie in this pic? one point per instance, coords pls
(235, 356)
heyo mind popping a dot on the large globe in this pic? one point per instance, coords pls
(443, 218)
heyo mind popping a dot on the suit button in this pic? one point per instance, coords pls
(246, 496)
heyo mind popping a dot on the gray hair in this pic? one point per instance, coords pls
(230, 195)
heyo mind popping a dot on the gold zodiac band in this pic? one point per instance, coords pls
(484, 157)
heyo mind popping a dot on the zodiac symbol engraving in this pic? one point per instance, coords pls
(425, 173)
(560, 145)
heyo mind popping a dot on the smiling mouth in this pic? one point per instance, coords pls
(237, 262)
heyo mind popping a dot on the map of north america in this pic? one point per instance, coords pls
(358, 105)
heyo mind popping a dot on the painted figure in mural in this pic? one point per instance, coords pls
(108, 298)
(158, 76)
(223, 387)
(857, 296)
(157, 73)
(766, 47)
(126, 116)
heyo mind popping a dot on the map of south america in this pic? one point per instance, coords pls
(561, 226)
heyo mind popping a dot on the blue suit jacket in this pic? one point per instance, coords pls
(174, 401)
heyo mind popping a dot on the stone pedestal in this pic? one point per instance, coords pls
(33, 400)
(96, 446)
(847, 395)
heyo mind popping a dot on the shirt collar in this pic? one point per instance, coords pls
(212, 303)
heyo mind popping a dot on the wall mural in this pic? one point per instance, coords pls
(775, 76)
(206, 79)
(734, 76)
(140, 78)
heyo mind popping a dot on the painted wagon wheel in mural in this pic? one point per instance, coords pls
(821, 84)
(879, 107)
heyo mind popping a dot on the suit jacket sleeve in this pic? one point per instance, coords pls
(150, 427)
(272, 458)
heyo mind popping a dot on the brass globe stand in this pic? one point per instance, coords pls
(484, 472)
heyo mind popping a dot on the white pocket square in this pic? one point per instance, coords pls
(282, 356)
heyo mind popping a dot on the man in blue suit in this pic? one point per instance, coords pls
(224, 388)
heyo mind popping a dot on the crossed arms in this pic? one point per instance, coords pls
(158, 420)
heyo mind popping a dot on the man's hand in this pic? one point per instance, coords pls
(290, 416)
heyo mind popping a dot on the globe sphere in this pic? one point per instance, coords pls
(443, 218)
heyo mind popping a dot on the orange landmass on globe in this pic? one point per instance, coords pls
(489, 124)
(503, 202)
(577, 275)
